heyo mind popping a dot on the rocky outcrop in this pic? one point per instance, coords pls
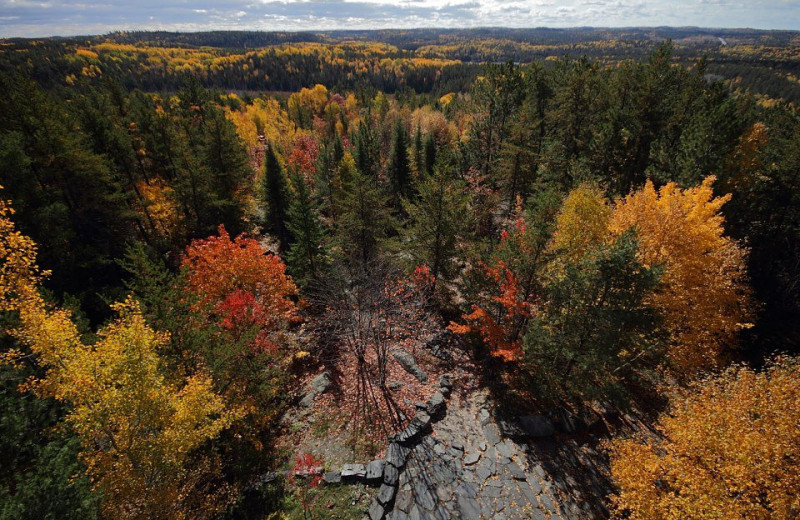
(319, 385)
(409, 364)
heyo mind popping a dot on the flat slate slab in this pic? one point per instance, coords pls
(354, 471)
(375, 470)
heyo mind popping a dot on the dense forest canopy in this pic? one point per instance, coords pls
(194, 225)
(425, 60)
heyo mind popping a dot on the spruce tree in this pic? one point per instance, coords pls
(275, 197)
(437, 221)
(399, 169)
(366, 149)
(306, 256)
(429, 154)
(364, 221)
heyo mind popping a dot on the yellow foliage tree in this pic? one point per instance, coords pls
(137, 427)
(729, 448)
(703, 295)
(582, 224)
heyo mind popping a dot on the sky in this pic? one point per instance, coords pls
(73, 17)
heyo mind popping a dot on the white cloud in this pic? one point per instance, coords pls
(66, 17)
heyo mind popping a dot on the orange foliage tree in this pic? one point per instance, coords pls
(728, 448)
(236, 280)
(512, 290)
(703, 295)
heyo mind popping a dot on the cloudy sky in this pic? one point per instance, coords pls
(70, 17)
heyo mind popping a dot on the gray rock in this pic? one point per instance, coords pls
(386, 494)
(510, 428)
(397, 455)
(375, 470)
(375, 511)
(537, 425)
(405, 499)
(491, 492)
(419, 424)
(332, 477)
(469, 508)
(436, 404)
(408, 363)
(390, 475)
(353, 471)
(506, 448)
(530, 493)
(491, 433)
(471, 458)
(447, 381)
(516, 471)
(467, 489)
(457, 445)
(484, 471)
(566, 421)
(423, 495)
(484, 416)
(319, 385)
(394, 385)
(308, 400)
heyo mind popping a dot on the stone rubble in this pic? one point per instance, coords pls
(457, 461)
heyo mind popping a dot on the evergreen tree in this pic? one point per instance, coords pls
(437, 220)
(429, 153)
(399, 169)
(417, 152)
(64, 193)
(226, 158)
(306, 256)
(365, 221)
(275, 196)
(366, 149)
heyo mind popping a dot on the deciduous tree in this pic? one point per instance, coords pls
(704, 295)
(728, 448)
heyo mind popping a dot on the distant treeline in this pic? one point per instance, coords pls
(423, 60)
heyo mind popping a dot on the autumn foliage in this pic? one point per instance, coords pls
(510, 299)
(236, 280)
(703, 296)
(728, 448)
(138, 428)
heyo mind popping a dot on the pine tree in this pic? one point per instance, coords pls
(229, 167)
(429, 153)
(364, 221)
(366, 149)
(417, 152)
(306, 256)
(275, 196)
(399, 169)
(436, 222)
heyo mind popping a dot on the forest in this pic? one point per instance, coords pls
(233, 263)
